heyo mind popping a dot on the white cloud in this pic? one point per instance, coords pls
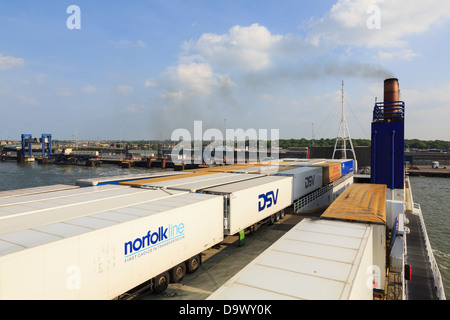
(244, 48)
(89, 89)
(10, 62)
(40, 78)
(150, 83)
(406, 54)
(27, 100)
(427, 111)
(346, 22)
(191, 91)
(64, 92)
(129, 43)
(194, 79)
(125, 89)
(133, 108)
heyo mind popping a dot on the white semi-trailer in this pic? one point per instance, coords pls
(98, 181)
(305, 180)
(249, 199)
(101, 244)
(195, 184)
(317, 259)
(246, 203)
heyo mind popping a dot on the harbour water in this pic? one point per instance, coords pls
(27, 175)
(431, 193)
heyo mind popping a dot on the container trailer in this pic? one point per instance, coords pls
(236, 189)
(249, 202)
(195, 184)
(101, 245)
(98, 181)
(347, 165)
(331, 171)
(138, 183)
(267, 170)
(304, 180)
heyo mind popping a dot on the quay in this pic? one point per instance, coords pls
(427, 171)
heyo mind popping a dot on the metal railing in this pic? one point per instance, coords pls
(307, 199)
(437, 279)
(389, 111)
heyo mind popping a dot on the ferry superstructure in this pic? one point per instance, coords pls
(370, 243)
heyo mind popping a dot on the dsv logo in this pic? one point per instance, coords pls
(266, 200)
(309, 181)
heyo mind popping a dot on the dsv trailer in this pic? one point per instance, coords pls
(249, 202)
(305, 180)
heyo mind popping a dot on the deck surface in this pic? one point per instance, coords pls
(421, 285)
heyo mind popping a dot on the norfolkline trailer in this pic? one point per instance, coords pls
(103, 243)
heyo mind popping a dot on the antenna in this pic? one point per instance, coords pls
(343, 134)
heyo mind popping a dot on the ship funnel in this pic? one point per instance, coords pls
(391, 99)
(388, 131)
(391, 90)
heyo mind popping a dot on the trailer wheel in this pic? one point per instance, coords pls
(272, 219)
(161, 282)
(193, 264)
(178, 272)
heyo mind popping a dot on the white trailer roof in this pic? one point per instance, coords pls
(197, 183)
(316, 259)
(265, 170)
(56, 194)
(34, 190)
(298, 170)
(78, 214)
(98, 180)
(241, 185)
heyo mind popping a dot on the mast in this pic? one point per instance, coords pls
(343, 134)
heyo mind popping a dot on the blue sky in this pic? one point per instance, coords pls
(141, 69)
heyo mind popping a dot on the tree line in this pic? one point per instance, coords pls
(409, 143)
(295, 143)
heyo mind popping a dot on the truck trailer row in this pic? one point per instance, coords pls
(99, 242)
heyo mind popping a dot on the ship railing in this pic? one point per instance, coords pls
(437, 279)
(305, 200)
(302, 202)
(389, 111)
